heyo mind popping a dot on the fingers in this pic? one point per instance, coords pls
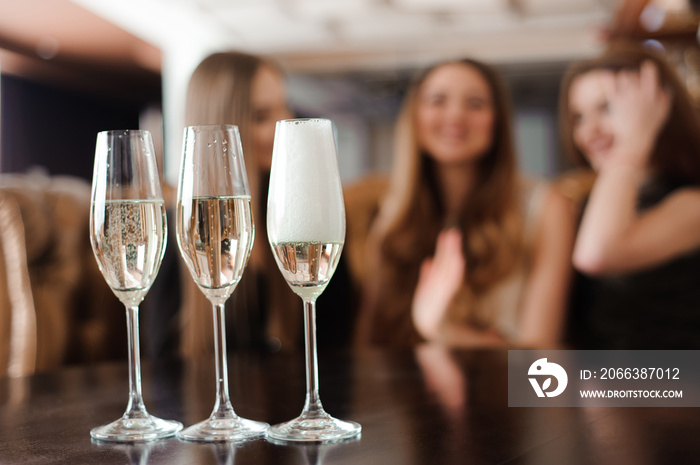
(425, 269)
(645, 80)
(650, 81)
(627, 80)
(448, 251)
(447, 266)
(640, 90)
(449, 242)
(650, 86)
(649, 78)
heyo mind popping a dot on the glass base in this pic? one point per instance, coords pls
(136, 430)
(236, 430)
(321, 429)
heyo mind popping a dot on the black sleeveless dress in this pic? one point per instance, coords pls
(655, 308)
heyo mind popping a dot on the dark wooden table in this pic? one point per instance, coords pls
(427, 406)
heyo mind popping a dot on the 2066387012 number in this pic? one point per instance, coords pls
(640, 373)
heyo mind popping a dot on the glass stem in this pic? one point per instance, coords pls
(222, 408)
(135, 408)
(312, 406)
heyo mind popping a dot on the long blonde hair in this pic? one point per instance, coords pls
(411, 218)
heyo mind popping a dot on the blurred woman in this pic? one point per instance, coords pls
(262, 313)
(465, 252)
(628, 116)
(248, 91)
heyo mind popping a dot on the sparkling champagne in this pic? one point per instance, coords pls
(216, 236)
(307, 266)
(129, 243)
(306, 230)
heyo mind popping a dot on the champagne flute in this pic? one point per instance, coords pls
(215, 233)
(128, 236)
(306, 229)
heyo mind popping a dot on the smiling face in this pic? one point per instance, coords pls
(269, 102)
(590, 120)
(455, 114)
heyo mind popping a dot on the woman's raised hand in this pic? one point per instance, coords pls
(638, 107)
(439, 280)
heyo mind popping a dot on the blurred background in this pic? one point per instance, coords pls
(72, 68)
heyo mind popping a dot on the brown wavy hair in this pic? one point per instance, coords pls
(676, 154)
(412, 216)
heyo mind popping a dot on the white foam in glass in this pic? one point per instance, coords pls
(305, 203)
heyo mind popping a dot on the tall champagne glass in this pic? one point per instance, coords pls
(128, 235)
(306, 229)
(215, 233)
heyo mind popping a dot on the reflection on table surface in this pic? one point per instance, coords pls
(427, 405)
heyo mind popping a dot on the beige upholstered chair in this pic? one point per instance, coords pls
(17, 317)
(55, 307)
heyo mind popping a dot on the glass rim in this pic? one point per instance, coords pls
(303, 120)
(212, 126)
(125, 132)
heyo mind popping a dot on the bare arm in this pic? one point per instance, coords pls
(546, 293)
(615, 238)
